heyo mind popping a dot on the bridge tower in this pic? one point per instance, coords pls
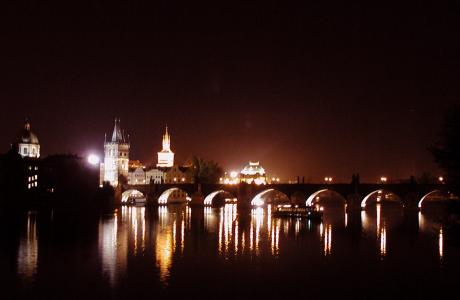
(116, 157)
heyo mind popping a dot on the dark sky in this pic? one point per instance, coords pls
(310, 89)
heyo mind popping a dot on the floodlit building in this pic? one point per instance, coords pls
(144, 175)
(253, 173)
(28, 148)
(166, 156)
(116, 157)
(27, 143)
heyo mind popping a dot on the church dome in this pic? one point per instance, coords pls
(26, 136)
(254, 168)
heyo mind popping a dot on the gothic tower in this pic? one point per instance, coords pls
(116, 157)
(166, 156)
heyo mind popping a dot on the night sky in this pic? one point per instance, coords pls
(309, 89)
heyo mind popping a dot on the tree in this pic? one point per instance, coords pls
(204, 171)
(446, 150)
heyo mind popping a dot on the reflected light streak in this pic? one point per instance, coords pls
(441, 244)
(27, 259)
(164, 245)
(328, 240)
(383, 241)
(113, 247)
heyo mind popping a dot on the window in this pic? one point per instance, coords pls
(24, 150)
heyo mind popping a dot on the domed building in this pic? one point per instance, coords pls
(253, 173)
(27, 142)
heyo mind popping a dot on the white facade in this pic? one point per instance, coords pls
(155, 175)
(166, 156)
(116, 157)
(142, 176)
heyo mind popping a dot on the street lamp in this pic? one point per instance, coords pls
(383, 179)
(441, 179)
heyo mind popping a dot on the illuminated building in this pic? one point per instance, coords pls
(28, 145)
(143, 175)
(253, 173)
(116, 157)
(176, 175)
(166, 156)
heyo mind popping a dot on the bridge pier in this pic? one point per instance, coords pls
(245, 195)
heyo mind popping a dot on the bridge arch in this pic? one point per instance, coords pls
(445, 194)
(210, 198)
(131, 194)
(311, 199)
(165, 197)
(378, 193)
(259, 201)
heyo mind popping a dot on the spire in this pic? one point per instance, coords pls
(166, 140)
(117, 136)
(27, 124)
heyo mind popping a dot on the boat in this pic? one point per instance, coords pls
(289, 210)
(136, 201)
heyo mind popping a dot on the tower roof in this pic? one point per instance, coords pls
(117, 135)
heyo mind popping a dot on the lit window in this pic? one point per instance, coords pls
(24, 150)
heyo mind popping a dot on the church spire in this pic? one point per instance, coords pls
(166, 140)
(117, 136)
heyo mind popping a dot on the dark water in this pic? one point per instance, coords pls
(178, 251)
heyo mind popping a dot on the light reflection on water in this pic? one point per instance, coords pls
(163, 237)
(27, 259)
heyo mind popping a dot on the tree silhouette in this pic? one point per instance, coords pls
(204, 171)
(446, 150)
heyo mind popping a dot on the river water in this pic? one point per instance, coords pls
(178, 251)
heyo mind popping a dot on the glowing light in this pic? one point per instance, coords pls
(328, 179)
(383, 179)
(93, 159)
(233, 174)
(441, 179)
(132, 194)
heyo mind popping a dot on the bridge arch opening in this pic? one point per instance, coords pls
(328, 195)
(132, 196)
(379, 196)
(438, 196)
(173, 196)
(213, 198)
(269, 196)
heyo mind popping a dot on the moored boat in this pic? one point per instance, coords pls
(289, 210)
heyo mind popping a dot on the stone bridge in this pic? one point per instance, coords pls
(355, 194)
